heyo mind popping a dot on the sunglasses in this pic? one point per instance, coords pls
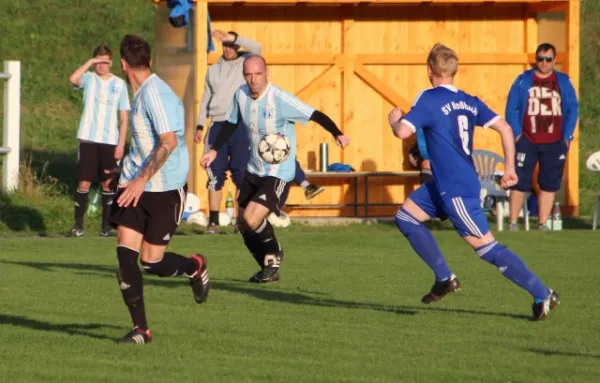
(548, 59)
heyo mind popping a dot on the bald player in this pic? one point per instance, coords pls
(266, 109)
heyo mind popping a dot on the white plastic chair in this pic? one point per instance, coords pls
(486, 164)
(593, 165)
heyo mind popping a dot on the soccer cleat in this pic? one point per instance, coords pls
(136, 336)
(75, 232)
(542, 309)
(542, 227)
(441, 289)
(212, 229)
(270, 273)
(105, 233)
(312, 191)
(199, 280)
(513, 227)
(267, 275)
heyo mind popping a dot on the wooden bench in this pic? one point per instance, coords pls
(354, 176)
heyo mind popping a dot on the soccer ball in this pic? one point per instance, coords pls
(279, 221)
(274, 148)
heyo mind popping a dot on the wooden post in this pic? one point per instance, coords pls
(572, 167)
(200, 68)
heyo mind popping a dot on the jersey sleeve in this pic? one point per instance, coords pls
(485, 116)
(85, 81)
(234, 109)
(124, 99)
(292, 109)
(163, 110)
(419, 116)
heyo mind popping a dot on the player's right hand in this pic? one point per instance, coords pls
(222, 36)
(95, 61)
(198, 136)
(509, 179)
(395, 115)
(208, 158)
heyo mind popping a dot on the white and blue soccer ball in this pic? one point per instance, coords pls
(191, 205)
(274, 148)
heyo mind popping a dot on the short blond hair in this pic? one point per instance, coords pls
(443, 61)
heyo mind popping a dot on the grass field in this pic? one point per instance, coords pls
(346, 310)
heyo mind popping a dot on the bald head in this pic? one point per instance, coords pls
(255, 62)
(255, 74)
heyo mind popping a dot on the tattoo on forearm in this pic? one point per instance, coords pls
(157, 159)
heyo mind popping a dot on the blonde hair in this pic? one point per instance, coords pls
(443, 61)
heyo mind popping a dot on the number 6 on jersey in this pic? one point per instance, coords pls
(463, 132)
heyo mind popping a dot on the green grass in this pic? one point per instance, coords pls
(52, 38)
(346, 310)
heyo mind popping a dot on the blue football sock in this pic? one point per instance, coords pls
(423, 243)
(513, 268)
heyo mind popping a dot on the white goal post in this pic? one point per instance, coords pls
(11, 145)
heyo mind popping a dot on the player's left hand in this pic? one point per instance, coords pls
(342, 141)
(119, 152)
(509, 179)
(132, 193)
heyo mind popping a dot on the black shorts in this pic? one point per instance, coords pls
(265, 191)
(93, 159)
(552, 159)
(156, 215)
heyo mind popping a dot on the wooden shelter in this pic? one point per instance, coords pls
(354, 60)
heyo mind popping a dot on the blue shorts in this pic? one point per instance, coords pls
(551, 157)
(232, 156)
(465, 213)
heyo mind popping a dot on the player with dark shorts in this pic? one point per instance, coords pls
(152, 190)
(101, 139)
(448, 117)
(266, 110)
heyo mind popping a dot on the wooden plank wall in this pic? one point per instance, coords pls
(359, 45)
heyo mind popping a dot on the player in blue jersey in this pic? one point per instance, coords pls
(152, 189)
(101, 135)
(448, 117)
(266, 109)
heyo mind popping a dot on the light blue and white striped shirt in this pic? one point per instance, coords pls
(102, 101)
(156, 110)
(275, 111)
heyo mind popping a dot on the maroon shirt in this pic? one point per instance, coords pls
(542, 123)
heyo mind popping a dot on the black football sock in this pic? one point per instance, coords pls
(81, 202)
(107, 200)
(253, 244)
(129, 277)
(171, 265)
(268, 243)
(213, 217)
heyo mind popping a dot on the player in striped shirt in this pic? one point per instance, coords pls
(265, 109)
(102, 132)
(448, 118)
(152, 189)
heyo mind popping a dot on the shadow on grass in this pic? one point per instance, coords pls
(562, 353)
(20, 217)
(266, 293)
(68, 328)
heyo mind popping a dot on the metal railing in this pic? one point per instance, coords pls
(11, 145)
